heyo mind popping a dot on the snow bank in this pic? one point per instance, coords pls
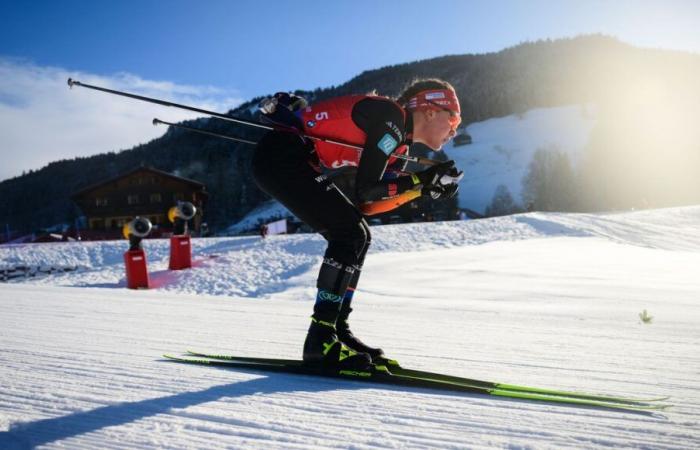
(252, 267)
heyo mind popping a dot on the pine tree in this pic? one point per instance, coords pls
(550, 183)
(502, 203)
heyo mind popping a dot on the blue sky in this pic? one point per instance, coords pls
(215, 54)
(257, 47)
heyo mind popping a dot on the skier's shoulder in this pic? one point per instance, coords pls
(373, 103)
(373, 110)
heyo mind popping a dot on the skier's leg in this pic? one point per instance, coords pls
(347, 243)
(342, 326)
(281, 168)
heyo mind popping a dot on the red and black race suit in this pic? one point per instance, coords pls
(282, 168)
(377, 124)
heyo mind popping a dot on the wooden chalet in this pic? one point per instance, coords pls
(145, 192)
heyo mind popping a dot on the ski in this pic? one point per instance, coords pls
(396, 369)
(385, 377)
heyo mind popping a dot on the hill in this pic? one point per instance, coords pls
(659, 85)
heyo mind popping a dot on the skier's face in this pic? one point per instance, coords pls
(434, 127)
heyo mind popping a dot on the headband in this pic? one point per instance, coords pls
(441, 98)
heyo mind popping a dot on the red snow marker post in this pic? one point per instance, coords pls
(136, 270)
(180, 245)
(180, 253)
(135, 257)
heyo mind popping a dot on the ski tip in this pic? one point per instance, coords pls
(173, 358)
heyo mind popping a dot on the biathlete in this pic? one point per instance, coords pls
(298, 172)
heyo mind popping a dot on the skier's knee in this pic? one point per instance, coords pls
(349, 245)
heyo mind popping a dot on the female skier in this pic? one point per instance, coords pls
(298, 172)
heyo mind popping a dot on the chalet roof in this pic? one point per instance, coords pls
(149, 169)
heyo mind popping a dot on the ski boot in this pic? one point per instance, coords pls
(349, 339)
(323, 348)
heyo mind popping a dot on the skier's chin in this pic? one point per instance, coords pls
(436, 147)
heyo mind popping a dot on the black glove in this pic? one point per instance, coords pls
(431, 176)
(436, 191)
(433, 191)
(453, 176)
(281, 110)
(292, 102)
(450, 190)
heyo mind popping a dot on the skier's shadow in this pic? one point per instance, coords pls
(32, 434)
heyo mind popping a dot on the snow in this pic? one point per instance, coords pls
(270, 210)
(550, 300)
(502, 148)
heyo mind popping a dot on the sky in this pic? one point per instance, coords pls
(216, 54)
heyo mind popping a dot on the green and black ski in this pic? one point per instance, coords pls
(396, 377)
(396, 369)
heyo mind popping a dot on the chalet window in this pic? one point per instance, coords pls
(133, 199)
(101, 201)
(156, 198)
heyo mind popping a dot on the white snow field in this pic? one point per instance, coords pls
(502, 149)
(551, 300)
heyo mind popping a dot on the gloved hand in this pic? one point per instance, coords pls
(450, 190)
(433, 191)
(436, 191)
(281, 110)
(431, 176)
(292, 102)
(441, 181)
(453, 176)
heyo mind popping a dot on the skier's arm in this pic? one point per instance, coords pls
(383, 123)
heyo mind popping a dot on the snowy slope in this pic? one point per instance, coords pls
(264, 213)
(543, 299)
(502, 149)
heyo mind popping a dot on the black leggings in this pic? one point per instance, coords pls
(282, 170)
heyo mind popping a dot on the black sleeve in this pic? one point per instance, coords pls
(383, 123)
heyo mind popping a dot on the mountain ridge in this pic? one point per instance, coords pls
(543, 73)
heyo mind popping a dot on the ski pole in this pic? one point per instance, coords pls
(156, 121)
(72, 82)
(208, 133)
